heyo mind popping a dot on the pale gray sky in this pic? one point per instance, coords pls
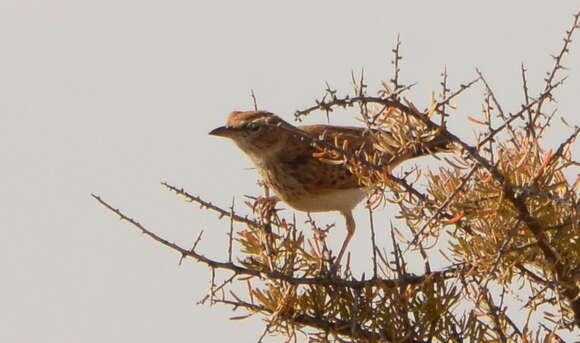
(113, 97)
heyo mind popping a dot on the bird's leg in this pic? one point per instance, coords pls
(350, 226)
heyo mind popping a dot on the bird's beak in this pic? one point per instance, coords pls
(222, 131)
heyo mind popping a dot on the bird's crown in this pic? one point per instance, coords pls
(239, 119)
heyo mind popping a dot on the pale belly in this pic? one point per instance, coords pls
(306, 197)
(340, 200)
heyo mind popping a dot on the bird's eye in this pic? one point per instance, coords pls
(254, 128)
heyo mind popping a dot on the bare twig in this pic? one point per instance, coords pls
(396, 68)
(231, 233)
(557, 64)
(530, 130)
(254, 101)
(498, 106)
(209, 205)
(444, 91)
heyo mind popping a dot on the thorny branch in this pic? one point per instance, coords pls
(209, 205)
(334, 327)
(570, 289)
(491, 187)
(557, 65)
(403, 281)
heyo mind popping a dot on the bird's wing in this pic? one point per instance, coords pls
(313, 171)
(351, 139)
(370, 144)
(392, 148)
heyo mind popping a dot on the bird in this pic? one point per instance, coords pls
(289, 161)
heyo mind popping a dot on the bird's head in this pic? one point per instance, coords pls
(258, 133)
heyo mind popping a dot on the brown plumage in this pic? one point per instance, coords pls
(289, 164)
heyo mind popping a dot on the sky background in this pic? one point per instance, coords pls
(112, 97)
